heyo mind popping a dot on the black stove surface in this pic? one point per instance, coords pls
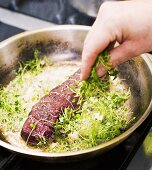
(115, 159)
(7, 31)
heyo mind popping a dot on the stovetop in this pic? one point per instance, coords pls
(117, 158)
(7, 31)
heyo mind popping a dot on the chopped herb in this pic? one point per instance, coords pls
(33, 126)
(42, 141)
(102, 114)
(104, 58)
(14, 106)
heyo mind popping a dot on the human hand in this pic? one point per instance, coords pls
(128, 23)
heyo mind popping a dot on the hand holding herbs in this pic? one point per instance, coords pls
(133, 35)
(95, 113)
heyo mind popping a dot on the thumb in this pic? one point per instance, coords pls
(119, 55)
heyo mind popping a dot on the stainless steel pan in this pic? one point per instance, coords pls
(65, 43)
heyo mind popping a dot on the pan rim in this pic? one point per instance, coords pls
(80, 152)
(51, 28)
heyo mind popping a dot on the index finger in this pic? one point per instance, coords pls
(96, 41)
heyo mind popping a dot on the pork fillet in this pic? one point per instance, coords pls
(43, 116)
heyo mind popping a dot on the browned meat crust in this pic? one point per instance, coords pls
(43, 116)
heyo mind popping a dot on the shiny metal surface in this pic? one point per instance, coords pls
(89, 7)
(65, 43)
(22, 21)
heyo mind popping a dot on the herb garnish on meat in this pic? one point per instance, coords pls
(101, 116)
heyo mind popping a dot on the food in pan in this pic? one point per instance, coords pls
(43, 116)
(72, 115)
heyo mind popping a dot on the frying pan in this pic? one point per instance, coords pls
(65, 43)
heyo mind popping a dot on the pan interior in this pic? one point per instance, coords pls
(135, 72)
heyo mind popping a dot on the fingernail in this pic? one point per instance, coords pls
(83, 77)
(101, 71)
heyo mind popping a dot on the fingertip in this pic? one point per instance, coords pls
(101, 71)
(82, 77)
(85, 73)
(88, 59)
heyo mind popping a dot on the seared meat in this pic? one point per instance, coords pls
(43, 116)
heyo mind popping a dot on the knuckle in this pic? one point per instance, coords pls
(108, 23)
(108, 11)
(111, 27)
(105, 7)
